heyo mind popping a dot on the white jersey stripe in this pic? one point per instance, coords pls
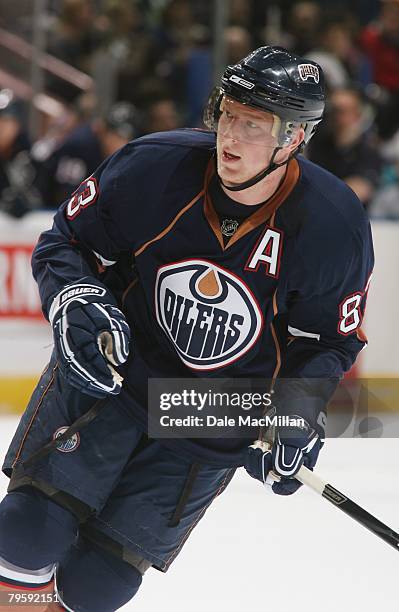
(299, 333)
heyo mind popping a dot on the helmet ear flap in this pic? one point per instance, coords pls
(288, 129)
(285, 130)
(212, 110)
(310, 129)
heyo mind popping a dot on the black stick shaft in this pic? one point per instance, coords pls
(361, 515)
(343, 503)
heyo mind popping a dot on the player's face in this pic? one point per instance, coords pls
(245, 141)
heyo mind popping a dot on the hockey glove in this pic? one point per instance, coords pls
(90, 334)
(276, 468)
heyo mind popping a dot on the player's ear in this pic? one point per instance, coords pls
(297, 140)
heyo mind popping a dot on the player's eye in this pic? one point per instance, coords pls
(228, 114)
(252, 125)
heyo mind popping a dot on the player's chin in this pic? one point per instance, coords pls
(228, 174)
(228, 180)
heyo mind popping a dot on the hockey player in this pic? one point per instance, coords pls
(181, 256)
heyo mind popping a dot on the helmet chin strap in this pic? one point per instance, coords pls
(261, 175)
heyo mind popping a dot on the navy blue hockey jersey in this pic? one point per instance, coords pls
(284, 297)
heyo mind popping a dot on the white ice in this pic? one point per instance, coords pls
(254, 551)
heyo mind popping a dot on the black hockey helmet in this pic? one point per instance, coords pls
(276, 81)
(273, 80)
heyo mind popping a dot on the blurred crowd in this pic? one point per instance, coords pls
(151, 65)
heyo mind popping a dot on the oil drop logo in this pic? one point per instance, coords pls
(209, 314)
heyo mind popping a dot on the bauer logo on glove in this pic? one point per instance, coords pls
(79, 290)
(91, 336)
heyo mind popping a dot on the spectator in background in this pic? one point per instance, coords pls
(73, 40)
(198, 75)
(174, 40)
(240, 13)
(61, 170)
(385, 203)
(238, 43)
(177, 20)
(127, 53)
(17, 192)
(251, 16)
(303, 27)
(60, 126)
(345, 147)
(337, 54)
(161, 115)
(380, 42)
(199, 68)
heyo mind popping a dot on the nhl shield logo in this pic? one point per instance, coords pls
(229, 227)
(208, 313)
(67, 446)
(309, 71)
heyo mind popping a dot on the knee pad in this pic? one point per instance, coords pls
(34, 531)
(91, 579)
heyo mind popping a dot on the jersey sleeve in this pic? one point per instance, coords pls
(98, 222)
(327, 302)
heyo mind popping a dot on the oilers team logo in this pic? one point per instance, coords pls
(208, 313)
(67, 446)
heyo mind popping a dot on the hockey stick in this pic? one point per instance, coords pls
(342, 502)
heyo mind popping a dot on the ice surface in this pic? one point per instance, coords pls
(274, 554)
